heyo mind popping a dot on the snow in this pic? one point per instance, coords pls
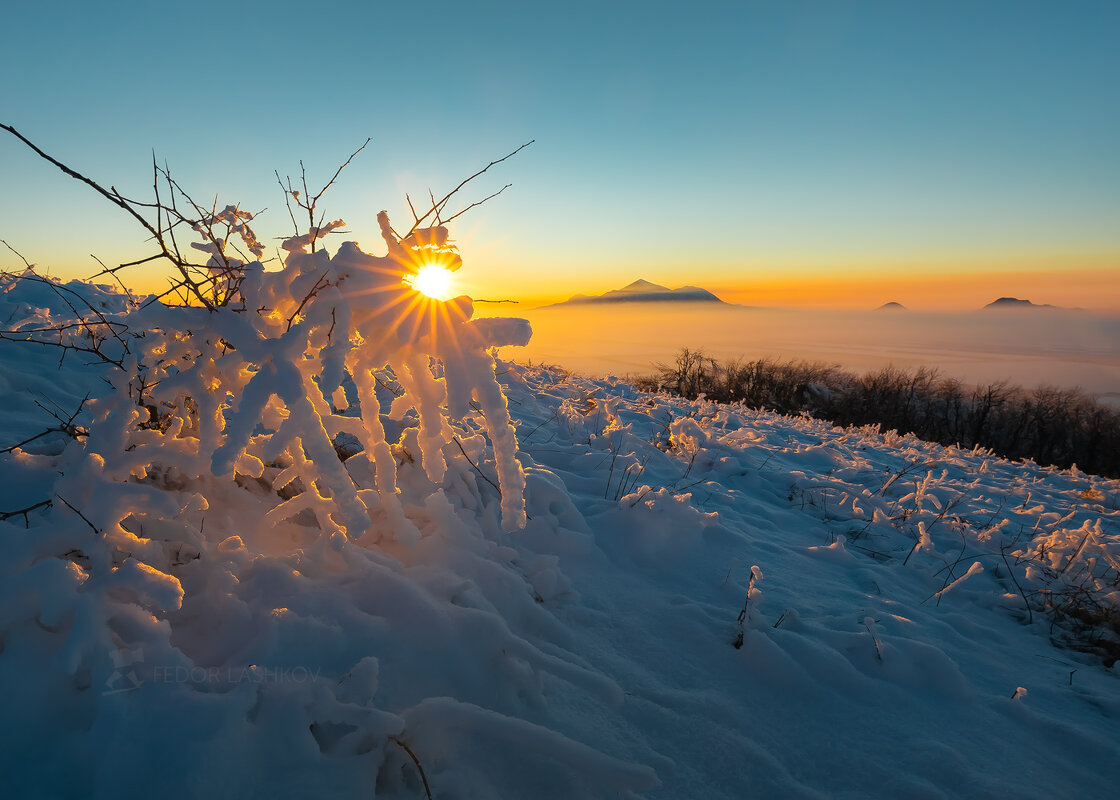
(523, 582)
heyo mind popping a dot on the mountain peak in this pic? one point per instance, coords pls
(892, 306)
(642, 285)
(1009, 302)
(1015, 302)
(643, 291)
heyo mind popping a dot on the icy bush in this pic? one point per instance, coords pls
(265, 392)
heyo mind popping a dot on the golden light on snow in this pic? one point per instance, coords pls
(432, 280)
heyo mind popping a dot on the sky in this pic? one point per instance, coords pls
(811, 154)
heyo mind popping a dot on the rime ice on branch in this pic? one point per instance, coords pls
(242, 378)
(227, 391)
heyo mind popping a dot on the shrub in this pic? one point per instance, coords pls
(1049, 425)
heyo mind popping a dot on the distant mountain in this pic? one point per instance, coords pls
(892, 306)
(1015, 302)
(642, 291)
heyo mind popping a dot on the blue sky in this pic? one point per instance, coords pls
(706, 142)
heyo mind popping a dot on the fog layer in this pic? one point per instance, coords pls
(1028, 347)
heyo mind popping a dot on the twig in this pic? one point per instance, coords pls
(387, 387)
(755, 573)
(80, 514)
(338, 171)
(1076, 553)
(905, 471)
(638, 499)
(24, 336)
(17, 252)
(6, 515)
(320, 283)
(31, 439)
(416, 761)
(67, 426)
(869, 624)
(128, 206)
(529, 435)
(480, 472)
(615, 450)
(287, 199)
(438, 206)
(478, 203)
(113, 272)
(81, 321)
(309, 203)
(1030, 614)
(112, 197)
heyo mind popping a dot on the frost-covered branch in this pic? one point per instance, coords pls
(248, 379)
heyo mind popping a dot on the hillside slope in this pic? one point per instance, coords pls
(910, 617)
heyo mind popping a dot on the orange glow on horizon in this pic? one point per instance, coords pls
(942, 281)
(1076, 280)
(1092, 288)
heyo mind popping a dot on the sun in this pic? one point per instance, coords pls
(433, 281)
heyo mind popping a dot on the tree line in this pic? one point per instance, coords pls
(1049, 425)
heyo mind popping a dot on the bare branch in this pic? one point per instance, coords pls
(27, 338)
(476, 467)
(431, 194)
(28, 440)
(80, 514)
(82, 322)
(67, 423)
(113, 273)
(338, 172)
(23, 512)
(17, 252)
(480, 202)
(320, 283)
(113, 197)
(416, 761)
(437, 206)
(287, 199)
(129, 206)
(308, 202)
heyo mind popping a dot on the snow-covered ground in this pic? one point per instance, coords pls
(893, 603)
